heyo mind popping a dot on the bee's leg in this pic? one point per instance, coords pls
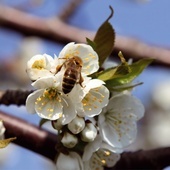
(81, 80)
(58, 68)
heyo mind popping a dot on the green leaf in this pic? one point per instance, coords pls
(5, 142)
(128, 86)
(123, 75)
(91, 43)
(115, 71)
(107, 74)
(42, 121)
(104, 40)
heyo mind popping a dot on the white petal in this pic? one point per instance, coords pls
(95, 162)
(49, 109)
(30, 101)
(50, 63)
(69, 162)
(94, 83)
(91, 147)
(35, 74)
(89, 57)
(112, 149)
(76, 94)
(107, 158)
(112, 159)
(69, 112)
(85, 52)
(118, 124)
(94, 101)
(40, 66)
(130, 106)
(45, 82)
(65, 50)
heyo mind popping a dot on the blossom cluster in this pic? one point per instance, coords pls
(94, 128)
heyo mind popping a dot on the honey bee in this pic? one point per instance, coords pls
(72, 74)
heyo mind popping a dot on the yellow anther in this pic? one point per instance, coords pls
(39, 64)
(107, 153)
(39, 99)
(103, 161)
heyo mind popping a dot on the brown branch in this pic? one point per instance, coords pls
(29, 136)
(16, 97)
(52, 28)
(58, 31)
(156, 159)
(43, 142)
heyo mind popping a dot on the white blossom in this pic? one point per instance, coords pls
(117, 122)
(40, 66)
(85, 52)
(49, 102)
(72, 161)
(98, 154)
(102, 158)
(95, 97)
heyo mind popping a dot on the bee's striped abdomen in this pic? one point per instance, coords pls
(69, 80)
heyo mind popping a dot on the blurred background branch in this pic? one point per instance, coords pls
(38, 140)
(57, 30)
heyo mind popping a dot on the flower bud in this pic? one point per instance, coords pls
(2, 130)
(57, 124)
(89, 133)
(76, 125)
(69, 140)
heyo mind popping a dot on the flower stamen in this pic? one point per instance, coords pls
(39, 64)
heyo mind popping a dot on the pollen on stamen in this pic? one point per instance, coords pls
(50, 115)
(100, 100)
(87, 67)
(103, 161)
(107, 153)
(60, 115)
(92, 56)
(39, 99)
(39, 108)
(86, 59)
(59, 100)
(102, 96)
(51, 110)
(43, 103)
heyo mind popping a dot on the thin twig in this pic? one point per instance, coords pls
(58, 31)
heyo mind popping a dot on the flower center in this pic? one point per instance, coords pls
(51, 93)
(39, 64)
(92, 100)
